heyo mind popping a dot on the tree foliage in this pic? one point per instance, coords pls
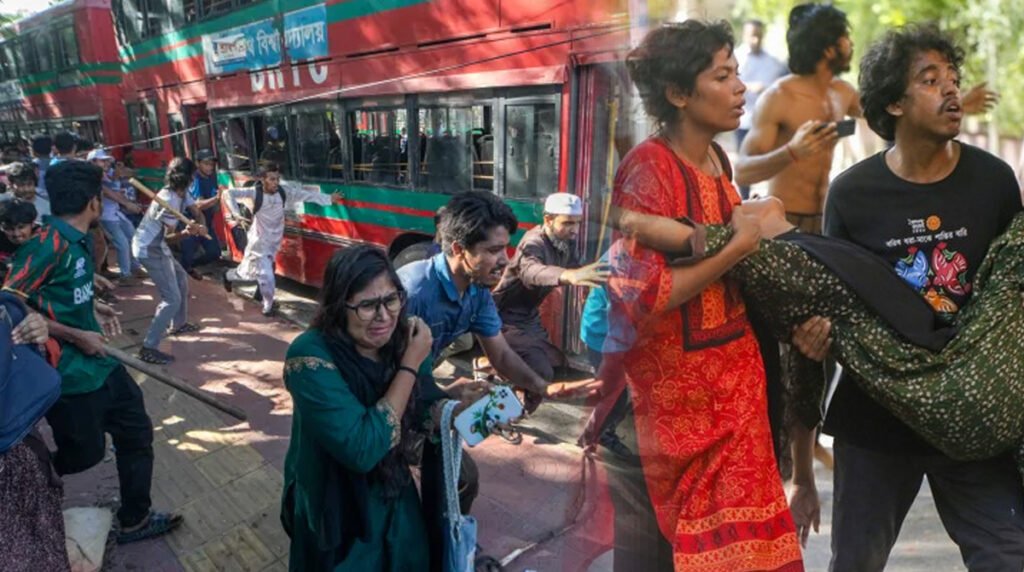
(978, 24)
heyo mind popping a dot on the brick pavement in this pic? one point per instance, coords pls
(225, 476)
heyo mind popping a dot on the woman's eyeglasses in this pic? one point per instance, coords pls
(367, 309)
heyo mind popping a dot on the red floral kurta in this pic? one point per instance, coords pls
(698, 386)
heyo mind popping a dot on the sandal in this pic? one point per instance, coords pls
(186, 328)
(155, 524)
(155, 356)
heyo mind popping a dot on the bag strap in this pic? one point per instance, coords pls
(451, 452)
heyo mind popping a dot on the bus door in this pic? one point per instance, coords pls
(319, 163)
(598, 147)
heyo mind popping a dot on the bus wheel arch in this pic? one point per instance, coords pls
(410, 248)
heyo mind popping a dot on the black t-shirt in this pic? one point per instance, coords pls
(935, 236)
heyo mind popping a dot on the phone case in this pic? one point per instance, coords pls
(500, 406)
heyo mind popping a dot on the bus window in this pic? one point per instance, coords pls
(175, 125)
(68, 46)
(271, 134)
(319, 149)
(42, 49)
(451, 142)
(380, 146)
(91, 130)
(144, 125)
(531, 150)
(233, 144)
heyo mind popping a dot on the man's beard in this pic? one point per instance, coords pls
(564, 247)
(839, 65)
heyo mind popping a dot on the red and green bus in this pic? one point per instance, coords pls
(392, 104)
(60, 70)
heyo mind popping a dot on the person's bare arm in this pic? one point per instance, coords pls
(689, 281)
(660, 233)
(511, 366)
(804, 503)
(762, 156)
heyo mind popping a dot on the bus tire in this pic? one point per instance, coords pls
(412, 253)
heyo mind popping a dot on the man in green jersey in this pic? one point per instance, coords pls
(53, 273)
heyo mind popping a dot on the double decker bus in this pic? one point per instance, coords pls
(60, 70)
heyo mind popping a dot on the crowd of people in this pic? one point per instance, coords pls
(713, 324)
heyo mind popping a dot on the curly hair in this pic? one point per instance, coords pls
(179, 173)
(673, 56)
(885, 70)
(813, 29)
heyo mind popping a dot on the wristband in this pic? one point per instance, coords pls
(791, 153)
(414, 373)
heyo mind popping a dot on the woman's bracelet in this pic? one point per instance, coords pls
(414, 373)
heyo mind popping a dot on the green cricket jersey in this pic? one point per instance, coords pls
(53, 272)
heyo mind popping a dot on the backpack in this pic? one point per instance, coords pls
(257, 203)
(28, 385)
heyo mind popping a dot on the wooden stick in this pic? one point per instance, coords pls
(168, 379)
(142, 188)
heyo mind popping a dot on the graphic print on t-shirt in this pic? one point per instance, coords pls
(937, 272)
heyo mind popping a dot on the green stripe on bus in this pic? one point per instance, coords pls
(87, 81)
(335, 13)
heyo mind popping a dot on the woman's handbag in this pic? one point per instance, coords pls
(460, 531)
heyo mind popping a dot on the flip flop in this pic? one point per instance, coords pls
(186, 328)
(157, 524)
(155, 356)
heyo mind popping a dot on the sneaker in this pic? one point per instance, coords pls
(155, 524)
(226, 282)
(155, 356)
(271, 310)
(195, 274)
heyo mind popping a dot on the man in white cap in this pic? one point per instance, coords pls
(545, 259)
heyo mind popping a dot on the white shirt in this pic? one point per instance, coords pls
(267, 229)
(148, 241)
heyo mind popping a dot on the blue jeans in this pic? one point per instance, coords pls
(172, 283)
(210, 246)
(120, 232)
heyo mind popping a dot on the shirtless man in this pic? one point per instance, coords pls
(793, 131)
(793, 134)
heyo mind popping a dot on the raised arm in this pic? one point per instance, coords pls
(763, 156)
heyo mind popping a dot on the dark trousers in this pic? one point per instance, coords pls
(980, 503)
(621, 407)
(639, 543)
(191, 244)
(79, 424)
(432, 493)
(741, 134)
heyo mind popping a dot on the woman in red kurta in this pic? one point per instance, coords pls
(695, 373)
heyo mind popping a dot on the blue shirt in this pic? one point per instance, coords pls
(434, 298)
(596, 321)
(760, 68)
(203, 187)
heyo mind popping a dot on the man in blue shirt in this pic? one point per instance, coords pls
(450, 291)
(206, 195)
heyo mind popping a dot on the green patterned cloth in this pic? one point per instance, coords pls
(967, 400)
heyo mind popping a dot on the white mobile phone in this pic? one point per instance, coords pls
(499, 406)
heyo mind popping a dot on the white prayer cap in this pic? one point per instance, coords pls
(563, 204)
